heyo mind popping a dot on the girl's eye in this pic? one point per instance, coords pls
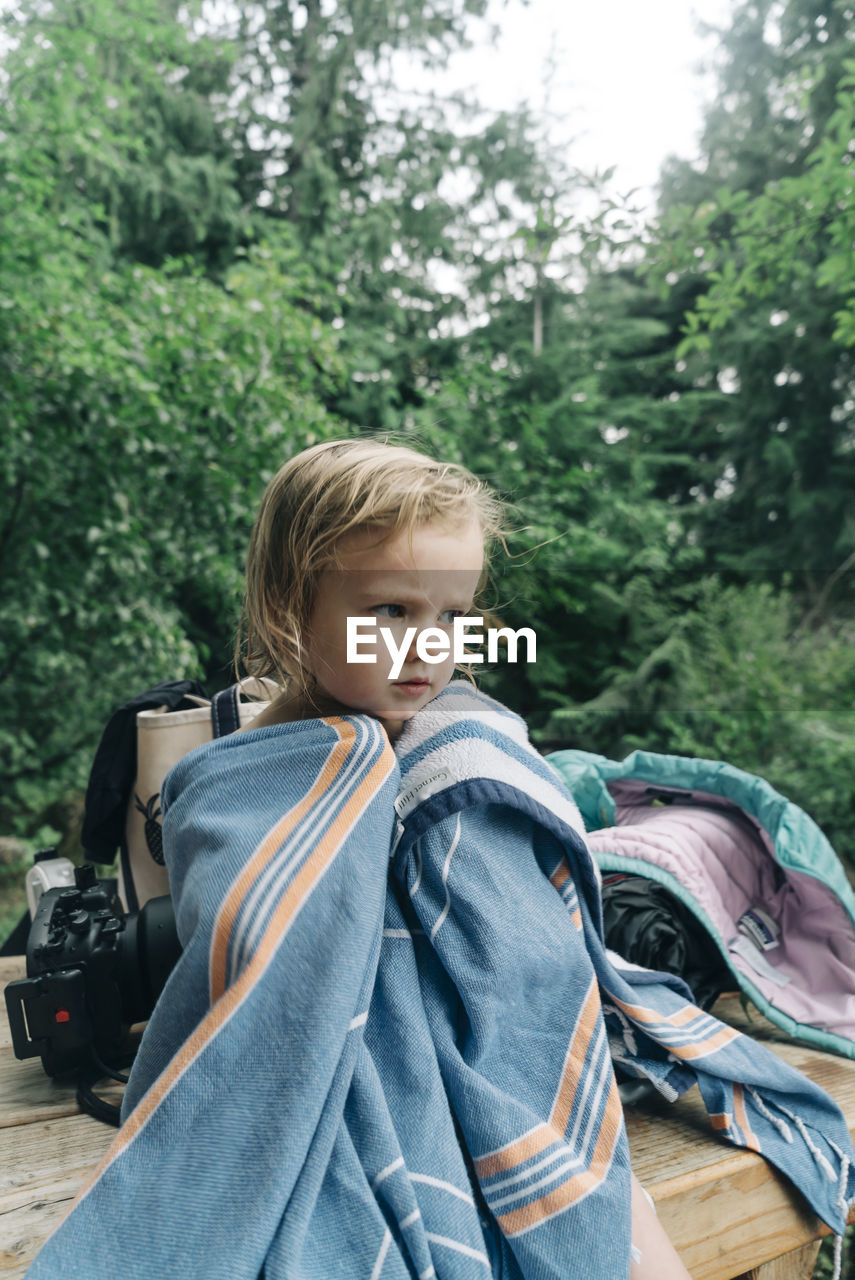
(389, 610)
(448, 615)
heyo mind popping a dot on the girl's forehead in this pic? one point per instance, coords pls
(439, 546)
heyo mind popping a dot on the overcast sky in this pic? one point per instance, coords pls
(627, 87)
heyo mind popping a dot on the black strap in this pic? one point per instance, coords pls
(225, 711)
(88, 1100)
(100, 1108)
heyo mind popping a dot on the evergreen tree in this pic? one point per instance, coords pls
(118, 104)
(746, 238)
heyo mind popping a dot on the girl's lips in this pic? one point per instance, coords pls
(412, 686)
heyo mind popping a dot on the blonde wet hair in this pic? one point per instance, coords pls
(312, 503)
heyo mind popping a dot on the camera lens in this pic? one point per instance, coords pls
(149, 949)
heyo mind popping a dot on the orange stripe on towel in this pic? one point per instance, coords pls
(516, 1152)
(688, 1052)
(267, 851)
(716, 1039)
(741, 1117)
(560, 875)
(581, 1184)
(574, 1058)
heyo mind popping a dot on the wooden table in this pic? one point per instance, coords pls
(727, 1211)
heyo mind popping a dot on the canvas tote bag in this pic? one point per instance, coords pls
(163, 737)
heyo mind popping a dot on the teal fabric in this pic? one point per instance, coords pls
(798, 843)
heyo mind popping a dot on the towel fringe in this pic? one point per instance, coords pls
(818, 1156)
(781, 1125)
(838, 1257)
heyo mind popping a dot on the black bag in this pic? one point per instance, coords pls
(650, 927)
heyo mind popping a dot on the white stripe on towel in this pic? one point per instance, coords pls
(430, 1181)
(384, 1173)
(445, 910)
(381, 1256)
(458, 1247)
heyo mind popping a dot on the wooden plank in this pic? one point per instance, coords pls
(11, 968)
(726, 1209)
(37, 1155)
(729, 1213)
(42, 1168)
(791, 1266)
(28, 1096)
(24, 1230)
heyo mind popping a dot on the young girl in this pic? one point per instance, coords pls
(358, 529)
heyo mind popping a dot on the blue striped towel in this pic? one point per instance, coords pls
(353, 1073)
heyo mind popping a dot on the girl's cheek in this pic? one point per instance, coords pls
(446, 669)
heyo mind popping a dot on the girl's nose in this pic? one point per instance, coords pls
(412, 652)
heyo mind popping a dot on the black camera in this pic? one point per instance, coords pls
(92, 972)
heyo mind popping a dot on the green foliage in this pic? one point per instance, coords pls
(13, 897)
(141, 411)
(799, 230)
(753, 248)
(113, 106)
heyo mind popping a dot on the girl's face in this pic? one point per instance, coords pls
(418, 580)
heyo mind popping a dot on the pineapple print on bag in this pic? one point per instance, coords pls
(153, 833)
